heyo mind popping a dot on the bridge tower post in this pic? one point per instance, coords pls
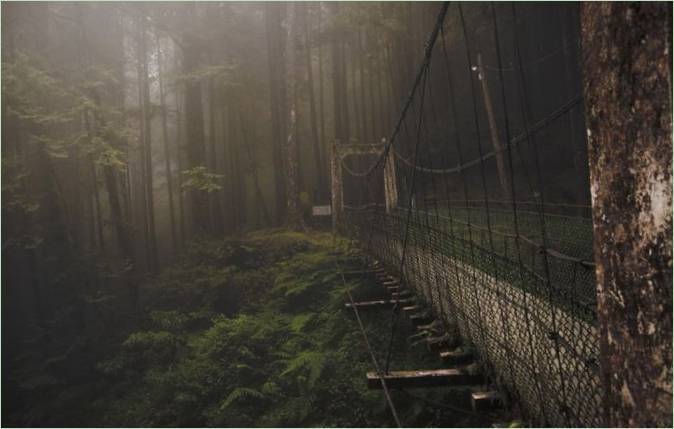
(341, 151)
(390, 185)
(336, 188)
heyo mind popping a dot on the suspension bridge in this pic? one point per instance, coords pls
(472, 235)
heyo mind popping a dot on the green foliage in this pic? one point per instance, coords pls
(198, 178)
(309, 364)
(245, 393)
(282, 352)
(44, 105)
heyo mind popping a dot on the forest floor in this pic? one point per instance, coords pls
(250, 331)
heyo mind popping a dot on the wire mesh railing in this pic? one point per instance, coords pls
(491, 230)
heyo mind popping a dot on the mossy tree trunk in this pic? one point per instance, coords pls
(627, 87)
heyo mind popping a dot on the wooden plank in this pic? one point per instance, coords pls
(358, 273)
(421, 317)
(439, 341)
(486, 400)
(423, 378)
(377, 303)
(456, 357)
(435, 326)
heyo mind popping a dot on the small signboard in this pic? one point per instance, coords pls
(322, 210)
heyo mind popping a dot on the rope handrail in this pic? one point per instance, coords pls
(549, 250)
(513, 277)
(513, 142)
(361, 327)
(428, 52)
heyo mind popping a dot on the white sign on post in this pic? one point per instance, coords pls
(322, 210)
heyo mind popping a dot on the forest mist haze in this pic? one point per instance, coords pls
(155, 154)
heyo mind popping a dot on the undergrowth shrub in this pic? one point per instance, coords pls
(251, 332)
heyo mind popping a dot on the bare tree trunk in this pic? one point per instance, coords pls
(294, 220)
(626, 81)
(312, 104)
(167, 154)
(237, 191)
(179, 163)
(213, 200)
(194, 124)
(357, 125)
(380, 93)
(275, 47)
(98, 224)
(370, 87)
(361, 74)
(339, 85)
(252, 162)
(321, 103)
(147, 148)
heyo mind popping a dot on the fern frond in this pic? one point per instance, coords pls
(240, 393)
(313, 361)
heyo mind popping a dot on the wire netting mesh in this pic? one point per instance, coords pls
(492, 227)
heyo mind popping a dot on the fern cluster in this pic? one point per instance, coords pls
(250, 332)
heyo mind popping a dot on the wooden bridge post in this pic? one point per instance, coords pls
(336, 188)
(493, 130)
(390, 185)
(341, 151)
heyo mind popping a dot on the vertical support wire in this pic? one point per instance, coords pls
(513, 194)
(396, 309)
(524, 101)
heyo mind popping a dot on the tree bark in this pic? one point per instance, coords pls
(252, 163)
(275, 54)
(626, 82)
(316, 144)
(321, 104)
(194, 124)
(294, 220)
(147, 148)
(179, 164)
(167, 153)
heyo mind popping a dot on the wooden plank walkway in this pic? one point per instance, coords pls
(423, 378)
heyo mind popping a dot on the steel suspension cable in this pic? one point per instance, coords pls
(417, 81)
(384, 386)
(524, 102)
(396, 308)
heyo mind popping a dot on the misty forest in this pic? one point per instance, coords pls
(336, 214)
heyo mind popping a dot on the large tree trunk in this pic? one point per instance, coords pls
(627, 85)
(252, 165)
(167, 154)
(147, 147)
(341, 110)
(194, 126)
(321, 104)
(179, 117)
(316, 144)
(276, 48)
(294, 220)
